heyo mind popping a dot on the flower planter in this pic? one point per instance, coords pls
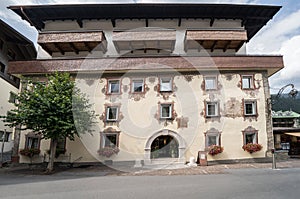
(215, 149)
(108, 151)
(252, 148)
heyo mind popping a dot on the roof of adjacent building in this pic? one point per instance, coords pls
(285, 114)
(253, 17)
(13, 38)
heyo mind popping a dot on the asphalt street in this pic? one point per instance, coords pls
(236, 183)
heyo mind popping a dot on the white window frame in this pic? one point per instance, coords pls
(216, 107)
(110, 86)
(254, 107)
(214, 80)
(217, 135)
(170, 111)
(108, 110)
(105, 139)
(134, 81)
(249, 80)
(165, 84)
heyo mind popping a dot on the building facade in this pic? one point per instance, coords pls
(167, 80)
(13, 46)
(286, 128)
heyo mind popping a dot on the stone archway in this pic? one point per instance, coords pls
(179, 140)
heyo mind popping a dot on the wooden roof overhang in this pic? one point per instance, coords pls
(22, 46)
(215, 39)
(253, 17)
(271, 64)
(76, 42)
(145, 40)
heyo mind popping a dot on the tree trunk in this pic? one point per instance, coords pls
(53, 145)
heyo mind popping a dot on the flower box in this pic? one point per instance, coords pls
(108, 151)
(30, 152)
(215, 149)
(251, 147)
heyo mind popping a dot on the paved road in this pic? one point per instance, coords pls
(236, 184)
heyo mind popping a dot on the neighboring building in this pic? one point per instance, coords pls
(167, 80)
(286, 129)
(13, 46)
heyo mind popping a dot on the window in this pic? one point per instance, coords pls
(247, 81)
(12, 97)
(110, 138)
(137, 85)
(212, 109)
(61, 145)
(112, 113)
(2, 67)
(114, 86)
(250, 108)
(212, 137)
(250, 135)
(166, 84)
(6, 138)
(32, 141)
(210, 83)
(166, 111)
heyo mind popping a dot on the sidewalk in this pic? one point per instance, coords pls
(107, 171)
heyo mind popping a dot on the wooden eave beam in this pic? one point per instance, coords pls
(74, 47)
(86, 44)
(44, 46)
(79, 22)
(213, 46)
(239, 46)
(226, 46)
(59, 48)
(211, 23)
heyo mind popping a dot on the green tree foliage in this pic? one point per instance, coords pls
(55, 109)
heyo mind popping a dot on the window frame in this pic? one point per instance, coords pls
(210, 133)
(133, 88)
(251, 83)
(170, 105)
(217, 109)
(170, 84)
(7, 136)
(254, 108)
(109, 89)
(109, 131)
(32, 136)
(107, 113)
(215, 86)
(250, 130)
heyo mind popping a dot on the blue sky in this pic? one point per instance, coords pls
(280, 36)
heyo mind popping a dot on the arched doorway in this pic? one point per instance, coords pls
(164, 146)
(171, 135)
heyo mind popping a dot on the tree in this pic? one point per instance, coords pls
(55, 109)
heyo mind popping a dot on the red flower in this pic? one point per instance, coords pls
(215, 149)
(108, 151)
(252, 147)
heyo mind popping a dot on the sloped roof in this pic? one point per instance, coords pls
(285, 114)
(253, 17)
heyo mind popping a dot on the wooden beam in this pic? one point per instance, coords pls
(212, 20)
(44, 46)
(74, 48)
(179, 22)
(59, 48)
(147, 23)
(113, 22)
(226, 46)
(79, 22)
(213, 46)
(239, 46)
(87, 46)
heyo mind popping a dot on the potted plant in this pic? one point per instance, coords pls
(108, 151)
(215, 149)
(252, 147)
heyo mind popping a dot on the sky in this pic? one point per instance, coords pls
(280, 36)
